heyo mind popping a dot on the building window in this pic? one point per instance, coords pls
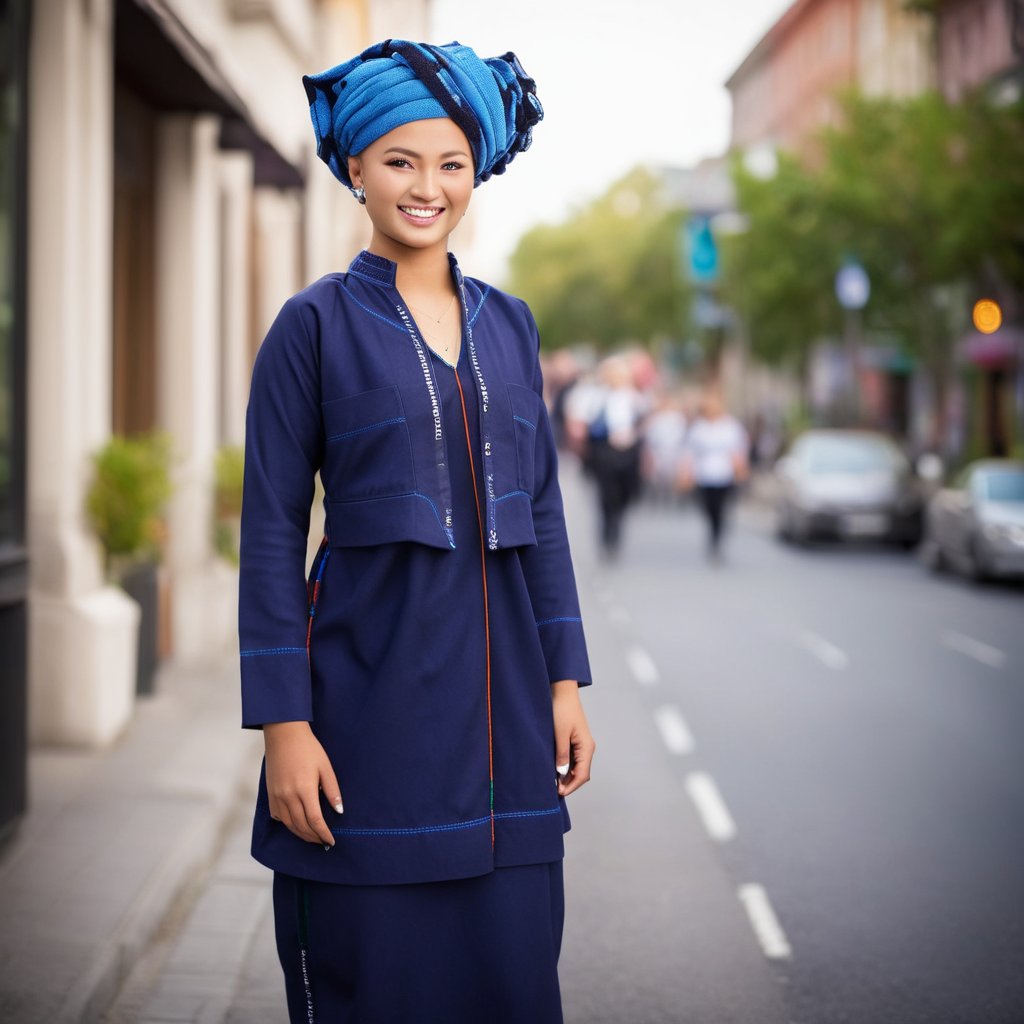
(12, 262)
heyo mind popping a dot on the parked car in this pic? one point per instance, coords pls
(976, 524)
(848, 484)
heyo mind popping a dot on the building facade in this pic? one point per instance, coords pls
(786, 87)
(174, 201)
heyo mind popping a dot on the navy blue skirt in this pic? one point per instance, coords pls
(471, 950)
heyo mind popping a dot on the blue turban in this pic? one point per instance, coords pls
(493, 101)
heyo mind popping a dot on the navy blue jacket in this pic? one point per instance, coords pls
(436, 717)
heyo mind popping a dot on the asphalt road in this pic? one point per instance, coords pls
(851, 728)
(807, 804)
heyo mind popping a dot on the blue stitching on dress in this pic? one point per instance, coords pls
(483, 299)
(379, 316)
(525, 423)
(512, 494)
(362, 430)
(274, 650)
(529, 814)
(456, 826)
(560, 618)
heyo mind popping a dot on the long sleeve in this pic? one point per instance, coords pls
(283, 451)
(547, 567)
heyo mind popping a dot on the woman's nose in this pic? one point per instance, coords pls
(425, 186)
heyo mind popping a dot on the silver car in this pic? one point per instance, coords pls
(848, 484)
(976, 524)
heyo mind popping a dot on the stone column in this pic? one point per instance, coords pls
(188, 296)
(82, 632)
(236, 171)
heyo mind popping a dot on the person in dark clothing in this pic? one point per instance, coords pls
(418, 688)
(614, 448)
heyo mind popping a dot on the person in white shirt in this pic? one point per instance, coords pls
(716, 460)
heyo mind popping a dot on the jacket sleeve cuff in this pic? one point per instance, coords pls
(275, 686)
(565, 649)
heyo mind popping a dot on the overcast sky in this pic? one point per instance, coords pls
(622, 82)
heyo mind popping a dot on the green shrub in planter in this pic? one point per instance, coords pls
(125, 501)
(227, 501)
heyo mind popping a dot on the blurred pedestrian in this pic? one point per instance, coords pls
(664, 434)
(614, 447)
(431, 662)
(715, 462)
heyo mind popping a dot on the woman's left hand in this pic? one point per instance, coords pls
(574, 746)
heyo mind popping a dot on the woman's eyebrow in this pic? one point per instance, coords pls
(416, 156)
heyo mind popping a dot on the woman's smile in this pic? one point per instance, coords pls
(422, 215)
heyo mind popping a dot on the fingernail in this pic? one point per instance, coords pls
(562, 769)
(339, 808)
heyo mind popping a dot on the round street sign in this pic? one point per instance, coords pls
(853, 289)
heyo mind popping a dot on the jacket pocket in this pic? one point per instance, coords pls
(368, 452)
(527, 410)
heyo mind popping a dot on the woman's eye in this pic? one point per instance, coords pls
(398, 162)
(452, 165)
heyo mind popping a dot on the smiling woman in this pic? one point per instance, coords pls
(418, 688)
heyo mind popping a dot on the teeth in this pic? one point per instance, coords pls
(418, 211)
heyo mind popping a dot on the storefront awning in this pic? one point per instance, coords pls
(993, 350)
(159, 58)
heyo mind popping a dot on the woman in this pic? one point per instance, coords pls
(715, 461)
(418, 692)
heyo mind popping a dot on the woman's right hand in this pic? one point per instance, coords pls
(297, 769)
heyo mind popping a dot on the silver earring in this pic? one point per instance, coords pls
(360, 194)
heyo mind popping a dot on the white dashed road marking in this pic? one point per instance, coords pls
(828, 654)
(985, 653)
(764, 922)
(642, 667)
(619, 615)
(673, 728)
(711, 807)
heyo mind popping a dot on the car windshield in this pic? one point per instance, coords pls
(848, 455)
(1003, 485)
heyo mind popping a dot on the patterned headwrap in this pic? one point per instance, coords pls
(493, 101)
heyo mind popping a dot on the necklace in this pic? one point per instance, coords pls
(435, 342)
(437, 319)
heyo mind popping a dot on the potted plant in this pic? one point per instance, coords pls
(227, 502)
(125, 501)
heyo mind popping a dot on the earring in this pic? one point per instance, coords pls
(360, 194)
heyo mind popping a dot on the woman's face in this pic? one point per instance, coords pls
(418, 181)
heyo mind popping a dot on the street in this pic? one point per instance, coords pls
(807, 803)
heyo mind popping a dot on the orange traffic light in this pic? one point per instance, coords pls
(987, 316)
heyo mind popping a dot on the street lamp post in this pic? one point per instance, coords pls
(853, 289)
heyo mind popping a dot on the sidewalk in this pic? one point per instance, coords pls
(113, 841)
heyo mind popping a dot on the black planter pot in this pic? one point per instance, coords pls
(140, 583)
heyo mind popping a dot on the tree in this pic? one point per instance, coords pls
(778, 272)
(609, 273)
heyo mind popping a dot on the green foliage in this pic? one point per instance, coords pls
(125, 500)
(609, 273)
(926, 195)
(228, 466)
(779, 272)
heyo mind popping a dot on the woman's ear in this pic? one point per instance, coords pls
(355, 171)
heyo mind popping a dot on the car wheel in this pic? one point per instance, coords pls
(977, 572)
(783, 530)
(932, 556)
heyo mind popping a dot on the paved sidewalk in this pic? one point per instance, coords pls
(116, 840)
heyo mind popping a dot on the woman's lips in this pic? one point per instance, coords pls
(423, 216)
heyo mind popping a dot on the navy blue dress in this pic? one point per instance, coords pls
(429, 661)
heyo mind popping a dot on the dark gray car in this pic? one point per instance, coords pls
(848, 484)
(976, 523)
